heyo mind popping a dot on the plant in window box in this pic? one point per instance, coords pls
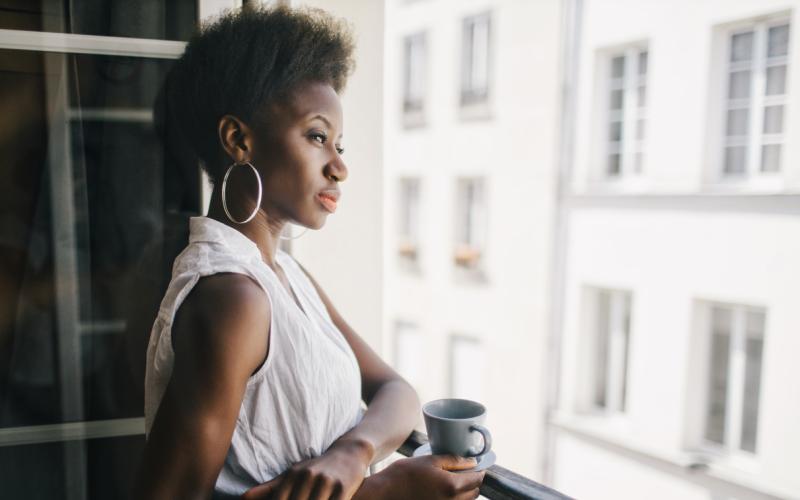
(467, 256)
(407, 250)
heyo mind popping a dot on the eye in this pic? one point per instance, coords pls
(319, 137)
(340, 150)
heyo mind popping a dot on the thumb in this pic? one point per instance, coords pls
(453, 462)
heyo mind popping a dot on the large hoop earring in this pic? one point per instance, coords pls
(224, 200)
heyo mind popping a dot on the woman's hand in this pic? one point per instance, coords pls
(337, 473)
(429, 478)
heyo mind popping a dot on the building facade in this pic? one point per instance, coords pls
(679, 340)
(469, 197)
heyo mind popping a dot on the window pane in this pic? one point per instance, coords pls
(158, 19)
(414, 72)
(739, 85)
(778, 41)
(98, 209)
(618, 67)
(643, 63)
(613, 164)
(719, 357)
(735, 159)
(616, 99)
(742, 47)
(639, 163)
(122, 188)
(737, 122)
(641, 96)
(776, 80)
(602, 330)
(752, 390)
(615, 131)
(773, 119)
(771, 157)
(626, 329)
(640, 130)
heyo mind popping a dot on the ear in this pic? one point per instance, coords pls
(236, 138)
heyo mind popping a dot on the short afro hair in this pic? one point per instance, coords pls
(240, 62)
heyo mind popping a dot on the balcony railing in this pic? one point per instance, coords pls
(499, 483)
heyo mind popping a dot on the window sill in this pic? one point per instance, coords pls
(414, 119)
(704, 468)
(475, 111)
(470, 276)
(628, 184)
(758, 185)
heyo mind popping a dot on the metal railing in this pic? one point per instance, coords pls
(499, 483)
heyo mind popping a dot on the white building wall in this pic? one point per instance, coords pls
(514, 150)
(672, 239)
(681, 99)
(346, 256)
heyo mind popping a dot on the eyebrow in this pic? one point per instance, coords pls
(322, 117)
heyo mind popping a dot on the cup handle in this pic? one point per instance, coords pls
(487, 439)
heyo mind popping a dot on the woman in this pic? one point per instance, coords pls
(254, 381)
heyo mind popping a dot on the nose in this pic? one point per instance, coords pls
(336, 169)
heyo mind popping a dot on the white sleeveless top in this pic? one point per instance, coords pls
(308, 391)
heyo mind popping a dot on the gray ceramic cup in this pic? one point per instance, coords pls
(455, 426)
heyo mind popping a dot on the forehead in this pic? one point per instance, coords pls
(309, 100)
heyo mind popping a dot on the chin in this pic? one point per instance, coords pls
(319, 224)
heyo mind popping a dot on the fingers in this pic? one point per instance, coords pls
(323, 490)
(284, 489)
(302, 487)
(452, 462)
(467, 481)
(262, 491)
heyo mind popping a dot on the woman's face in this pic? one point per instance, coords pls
(298, 154)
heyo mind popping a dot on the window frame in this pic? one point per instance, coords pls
(471, 226)
(753, 177)
(630, 147)
(617, 351)
(735, 380)
(414, 107)
(474, 99)
(408, 238)
(74, 434)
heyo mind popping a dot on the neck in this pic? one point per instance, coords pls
(262, 230)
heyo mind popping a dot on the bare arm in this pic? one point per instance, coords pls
(220, 338)
(393, 405)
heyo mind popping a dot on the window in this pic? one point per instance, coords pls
(733, 378)
(626, 105)
(609, 330)
(408, 245)
(470, 223)
(414, 78)
(475, 63)
(755, 100)
(94, 212)
(408, 352)
(467, 370)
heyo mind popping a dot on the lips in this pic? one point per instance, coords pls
(329, 200)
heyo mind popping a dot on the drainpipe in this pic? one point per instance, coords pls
(571, 24)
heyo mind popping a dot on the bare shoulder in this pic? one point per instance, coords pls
(224, 319)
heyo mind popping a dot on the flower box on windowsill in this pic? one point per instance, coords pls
(407, 250)
(467, 256)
